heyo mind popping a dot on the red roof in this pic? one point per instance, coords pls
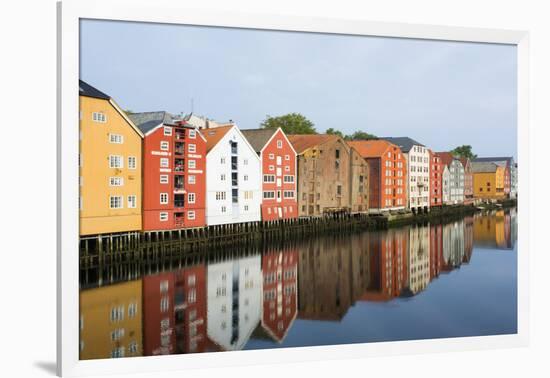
(446, 157)
(371, 148)
(303, 142)
(214, 135)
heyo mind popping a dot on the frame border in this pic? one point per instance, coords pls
(69, 14)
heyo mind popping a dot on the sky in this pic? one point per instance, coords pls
(442, 94)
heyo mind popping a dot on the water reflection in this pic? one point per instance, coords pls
(256, 299)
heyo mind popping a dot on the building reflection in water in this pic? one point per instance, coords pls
(220, 305)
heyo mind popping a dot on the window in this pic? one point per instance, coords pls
(245, 177)
(132, 310)
(192, 164)
(248, 194)
(99, 117)
(271, 168)
(164, 179)
(191, 179)
(245, 162)
(192, 296)
(117, 352)
(117, 334)
(269, 178)
(288, 179)
(191, 197)
(164, 304)
(271, 156)
(115, 202)
(133, 347)
(132, 162)
(116, 181)
(222, 160)
(222, 177)
(163, 216)
(269, 194)
(279, 144)
(287, 157)
(132, 202)
(164, 162)
(164, 146)
(116, 138)
(115, 161)
(245, 207)
(167, 130)
(163, 198)
(223, 209)
(192, 148)
(191, 215)
(220, 196)
(288, 194)
(192, 134)
(117, 313)
(163, 286)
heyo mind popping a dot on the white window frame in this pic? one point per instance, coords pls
(279, 144)
(192, 148)
(167, 131)
(99, 117)
(191, 215)
(192, 164)
(164, 179)
(163, 216)
(116, 138)
(132, 201)
(164, 145)
(191, 179)
(164, 162)
(111, 202)
(192, 134)
(116, 157)
(161, 195)
(132, 162)
(116, 181)
(191, 197)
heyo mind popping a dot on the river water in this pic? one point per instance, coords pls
(414, 282)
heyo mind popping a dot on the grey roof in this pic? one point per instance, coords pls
(85, 89)
(405, 143)
(483, 166)
(258, 137)
(507, 159)
(149, 120)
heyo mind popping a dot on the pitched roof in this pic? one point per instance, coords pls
(258, 137)
(302, 142)
(85, 89)
(446, 157)
(464, 161)
(509, 160)
(484, 167)
(370, 148)
(213, 136)
(147, 121)
(405, 143)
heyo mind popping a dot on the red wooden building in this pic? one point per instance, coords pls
(436, 180)
(174, 172)
(278, 160)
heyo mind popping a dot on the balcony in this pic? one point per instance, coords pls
(180, 134)
(179, 148)
(179, 219)
(179, 165)
(179, 200)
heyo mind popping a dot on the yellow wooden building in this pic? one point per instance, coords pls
(110, 166)
(488, 180)
(111, 321)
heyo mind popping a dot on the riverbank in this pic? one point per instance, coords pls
(138, 246)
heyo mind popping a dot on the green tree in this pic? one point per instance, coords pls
(464, 151)
(332, 131)
(292, 123)
(361, 135)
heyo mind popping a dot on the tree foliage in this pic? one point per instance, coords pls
(332, 131)
(361, 135)
(292, 123)
(464, 151)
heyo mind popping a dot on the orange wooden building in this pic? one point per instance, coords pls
(387, 174)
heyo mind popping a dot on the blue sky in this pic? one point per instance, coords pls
(441, 93)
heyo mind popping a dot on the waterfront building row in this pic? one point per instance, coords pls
(154, 171)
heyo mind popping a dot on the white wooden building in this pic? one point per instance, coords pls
(233, 177)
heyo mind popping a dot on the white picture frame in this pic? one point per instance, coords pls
(69, 14)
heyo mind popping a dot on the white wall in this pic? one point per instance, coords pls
(248, 164)
(420, 162)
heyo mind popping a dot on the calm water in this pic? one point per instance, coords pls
(414, 282)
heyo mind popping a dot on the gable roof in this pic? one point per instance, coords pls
(509, 160)
(484, 167)
(371, 148)
(85, 89)
(446, 157)
(213, 136)
(259, 137)
(405, 143)
(303, 142)
(147, 121)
